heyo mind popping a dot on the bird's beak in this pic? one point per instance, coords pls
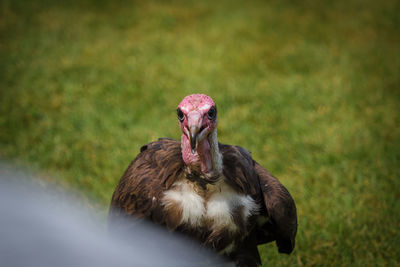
(193, 138)
(194, 124)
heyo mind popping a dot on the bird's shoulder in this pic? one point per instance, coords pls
(158, 161)
(238, 169)
(141, 186)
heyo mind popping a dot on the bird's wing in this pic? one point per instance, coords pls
(140, 189)
(278, 217)
(280, 210)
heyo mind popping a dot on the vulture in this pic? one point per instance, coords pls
(211, 192)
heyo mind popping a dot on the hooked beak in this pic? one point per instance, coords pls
(193, 138)
(196, 132)
(196, 135)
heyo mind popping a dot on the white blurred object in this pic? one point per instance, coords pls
(40, 228)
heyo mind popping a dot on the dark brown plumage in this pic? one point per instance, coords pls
(159, 166)
(216, 194)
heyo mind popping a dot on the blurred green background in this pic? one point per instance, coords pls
(312, 88)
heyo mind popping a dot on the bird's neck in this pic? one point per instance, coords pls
(207, 159)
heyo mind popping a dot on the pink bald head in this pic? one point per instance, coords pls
(197, 115)
(196, 101)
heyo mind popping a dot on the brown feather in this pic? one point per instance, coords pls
(159, 164)
(281, 210)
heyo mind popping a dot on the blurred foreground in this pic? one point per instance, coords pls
(44, 228)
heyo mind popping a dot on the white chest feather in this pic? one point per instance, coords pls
(219, 208)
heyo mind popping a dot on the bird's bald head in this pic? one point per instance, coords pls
(197, 115)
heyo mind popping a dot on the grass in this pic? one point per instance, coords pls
(310, 87)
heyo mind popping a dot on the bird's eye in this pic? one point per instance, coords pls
(181, 116)
(212, 113)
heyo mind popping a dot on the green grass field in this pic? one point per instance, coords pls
(312, 88)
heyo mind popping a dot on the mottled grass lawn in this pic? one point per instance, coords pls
(311, 88)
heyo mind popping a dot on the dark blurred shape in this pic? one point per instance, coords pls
(41, 227)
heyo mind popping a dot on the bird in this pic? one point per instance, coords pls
(214, 193)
